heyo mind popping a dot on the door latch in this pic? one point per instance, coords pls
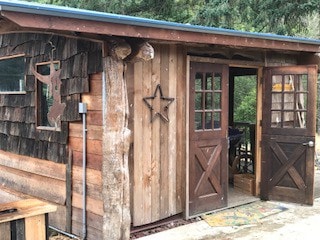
(309, 144)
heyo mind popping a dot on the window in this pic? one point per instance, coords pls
(12, 79)
(289, 101)
(208, 100)
(46, 97)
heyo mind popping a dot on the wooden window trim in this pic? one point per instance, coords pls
(38, 125)
(24, 77)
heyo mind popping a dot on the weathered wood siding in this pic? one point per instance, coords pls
(94, 163)
(25, 150)
(18, 130)
(158, 159)
(28, 177)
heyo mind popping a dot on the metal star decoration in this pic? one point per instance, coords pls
(161, 112)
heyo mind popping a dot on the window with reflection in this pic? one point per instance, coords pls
(289, 100)
(12, 77)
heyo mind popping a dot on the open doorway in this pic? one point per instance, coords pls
(242, 137)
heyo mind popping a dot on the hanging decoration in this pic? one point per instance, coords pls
(158, 110)
(54, 84)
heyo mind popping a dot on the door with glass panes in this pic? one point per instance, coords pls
(208, 129)
(288, 133)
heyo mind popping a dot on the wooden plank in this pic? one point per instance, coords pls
(68, 208)
(138, 192)
(164, 128)
(5, 231)
(172, 167)
(181, 129)
(93, 205)
(93, 102)
(93, 131)
(93, 176)
(96, 86)
(58, 218)
(94, 118)
(187, 140)
(96, 77)
(145, 142)
(231, 63)
(93, 146)
(93, 220)
(7, 195)
(35, 227)
(46, 188)
(156, 142)
(26, 208)
(94, 161)
(92, 233)
(258, 136)
(93, 190)
(127, 30)
(33, 165)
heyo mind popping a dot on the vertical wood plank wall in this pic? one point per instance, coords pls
(158, 159)
(94, 162)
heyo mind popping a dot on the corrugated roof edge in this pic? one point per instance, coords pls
(52, 10)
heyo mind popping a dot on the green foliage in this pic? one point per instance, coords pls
(274, 16)
(245, 99)
(170, 10)
(243, 85)
(246, 112)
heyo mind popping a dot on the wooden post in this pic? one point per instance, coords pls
(116, 141)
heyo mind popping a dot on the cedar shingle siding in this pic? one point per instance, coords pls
(78, 59)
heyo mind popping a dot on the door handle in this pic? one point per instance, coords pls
(309, 144)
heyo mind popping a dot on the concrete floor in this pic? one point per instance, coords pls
(296, 223)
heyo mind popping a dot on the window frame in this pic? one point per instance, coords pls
(24, 74)
(37, 97)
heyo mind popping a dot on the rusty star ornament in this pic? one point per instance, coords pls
(160, 110)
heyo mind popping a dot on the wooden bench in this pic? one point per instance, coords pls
(25, 219)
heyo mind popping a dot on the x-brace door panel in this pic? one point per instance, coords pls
(208, 128)
(288, 133)
(287, 178)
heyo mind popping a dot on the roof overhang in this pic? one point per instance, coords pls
(48, 18)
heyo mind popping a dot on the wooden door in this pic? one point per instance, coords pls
(208, 128)
(288, 133)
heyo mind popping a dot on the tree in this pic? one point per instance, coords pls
(243, 86)
(274, 16)
(246, 112)
(170, 10)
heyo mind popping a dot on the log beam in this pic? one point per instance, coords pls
(116, 140)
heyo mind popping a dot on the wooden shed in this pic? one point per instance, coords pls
(123, 121)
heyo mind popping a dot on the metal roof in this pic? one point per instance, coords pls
(59, 11)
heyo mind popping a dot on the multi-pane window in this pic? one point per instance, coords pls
(208, 95)
(289, 101)
(12, 77)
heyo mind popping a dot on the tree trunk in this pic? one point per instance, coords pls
(116, 140)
